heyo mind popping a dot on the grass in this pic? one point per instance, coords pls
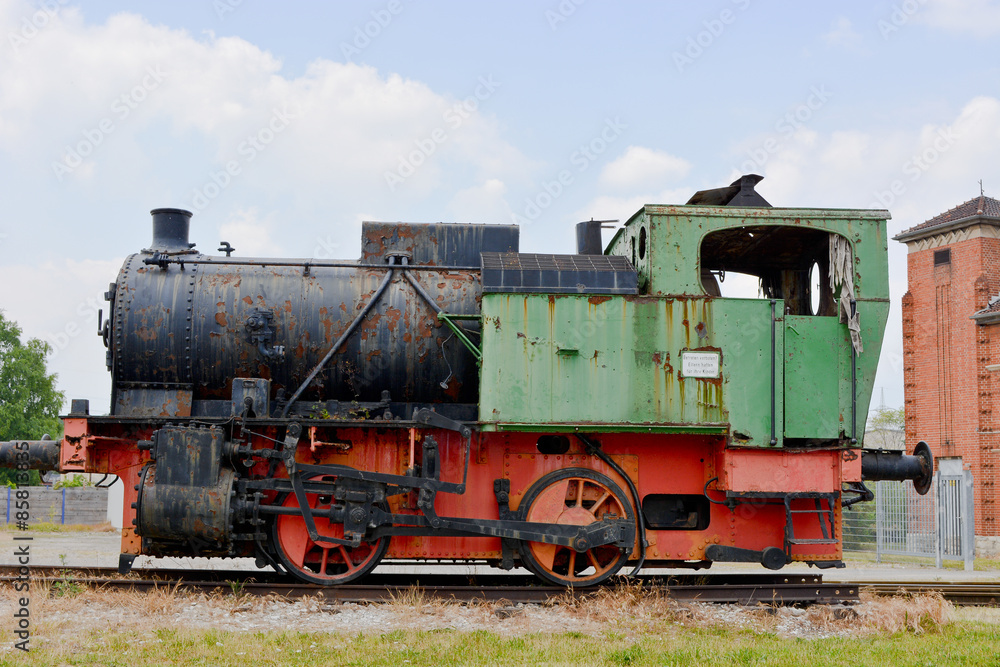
(623, 626)
(978, 564)
(964, 644)
(49, 527)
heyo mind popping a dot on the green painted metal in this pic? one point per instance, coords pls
(817, 360)
(449, 320)
(874, 316)
(568, 359)
(721, 429)
(818, 373)
(663, 242)
(617, 363)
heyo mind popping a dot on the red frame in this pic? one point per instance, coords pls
(656, 463)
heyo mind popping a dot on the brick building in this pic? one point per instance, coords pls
(951, 345)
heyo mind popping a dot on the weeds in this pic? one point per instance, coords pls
(624, 625)
(926, 612)
(52, 527)
(64, 587)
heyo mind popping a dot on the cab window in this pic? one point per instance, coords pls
(789, 263)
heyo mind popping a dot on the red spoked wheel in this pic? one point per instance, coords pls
(326, 564)
(574, 497)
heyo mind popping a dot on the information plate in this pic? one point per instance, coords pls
(700, 364)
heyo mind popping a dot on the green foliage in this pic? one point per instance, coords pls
(67, 483)
(887, 418)
(631, 655)
(885, 428)
(7, 478)
(65, 587)
(29, 401)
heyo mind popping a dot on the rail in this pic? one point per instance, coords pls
(722, 588)
(733, 589)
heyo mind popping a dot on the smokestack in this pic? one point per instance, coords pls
(170, 229)
(588, 238)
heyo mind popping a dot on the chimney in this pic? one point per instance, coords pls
(170, 229)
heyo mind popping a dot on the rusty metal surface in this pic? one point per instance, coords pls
(185, 497)
(182, 514)
(619, 360)
(30, 454)
(149, 402)
(438, 244)
(184, 330)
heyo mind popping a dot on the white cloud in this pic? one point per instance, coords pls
(643, 169)
(979, 18)
(484, 203)
(842, 34)
(249, 234)
(159, 114)
(119, 93)
(611, 207)
(893, 170)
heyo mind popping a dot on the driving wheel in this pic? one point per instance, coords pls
(574, 497)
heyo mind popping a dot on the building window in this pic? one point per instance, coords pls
(942, 256)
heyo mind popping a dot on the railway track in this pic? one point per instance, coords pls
(719, 588)
(960, 593)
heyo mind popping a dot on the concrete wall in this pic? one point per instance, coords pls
(87, 505)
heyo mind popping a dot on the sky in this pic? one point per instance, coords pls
(282, 127)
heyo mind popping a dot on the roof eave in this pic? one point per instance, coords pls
(916, 235)
(988, 317)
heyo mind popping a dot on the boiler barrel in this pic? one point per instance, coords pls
(202, 323)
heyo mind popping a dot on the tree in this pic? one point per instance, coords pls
(886, 428)
(29, 401)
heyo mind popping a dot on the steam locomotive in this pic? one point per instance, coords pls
(449, 398)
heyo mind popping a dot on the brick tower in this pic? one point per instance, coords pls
(951, 345)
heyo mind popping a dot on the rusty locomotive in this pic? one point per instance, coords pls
(449, 398)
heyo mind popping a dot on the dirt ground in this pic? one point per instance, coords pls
(61, 611)
(58, 613)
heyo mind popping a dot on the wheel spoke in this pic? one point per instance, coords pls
(347, 558)
(550, 500)
(595, 508)
(324, 560)
(320, 563)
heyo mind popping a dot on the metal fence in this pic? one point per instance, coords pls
(939, 525)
